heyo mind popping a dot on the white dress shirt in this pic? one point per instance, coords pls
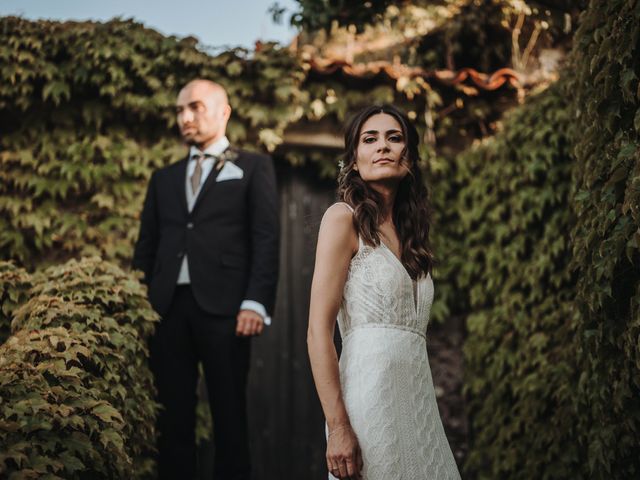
(215, 149)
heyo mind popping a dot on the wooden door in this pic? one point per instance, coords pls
(285, 418)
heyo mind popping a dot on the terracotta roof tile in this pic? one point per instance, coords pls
(463, 78)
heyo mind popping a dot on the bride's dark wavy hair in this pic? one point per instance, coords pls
(411, 209)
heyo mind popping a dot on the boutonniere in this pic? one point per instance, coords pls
(229, 155)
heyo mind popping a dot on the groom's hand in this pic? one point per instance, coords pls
(249, 323)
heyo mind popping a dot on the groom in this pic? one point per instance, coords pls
(208, 247)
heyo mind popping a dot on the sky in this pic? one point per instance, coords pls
(216, 23)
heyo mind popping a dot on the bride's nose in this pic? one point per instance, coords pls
(383, 147)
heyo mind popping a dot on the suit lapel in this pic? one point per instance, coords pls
(181, 184)
(211, 179)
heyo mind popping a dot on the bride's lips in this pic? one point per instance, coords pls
(383, 160)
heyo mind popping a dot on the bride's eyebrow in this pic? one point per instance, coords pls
(375, 132)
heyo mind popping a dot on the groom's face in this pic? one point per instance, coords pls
(202, 113)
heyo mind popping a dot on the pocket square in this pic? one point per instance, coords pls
(230, 171)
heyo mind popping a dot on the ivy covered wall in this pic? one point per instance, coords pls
(84, 115)
(605, 90)
(520, 353)
(550, 211)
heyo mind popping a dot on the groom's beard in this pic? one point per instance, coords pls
(192, 142)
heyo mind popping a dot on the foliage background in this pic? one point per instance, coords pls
(605, 89)
(550, 214)
(521, 371)
(76, 395)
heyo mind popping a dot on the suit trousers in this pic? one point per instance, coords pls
(185, 336)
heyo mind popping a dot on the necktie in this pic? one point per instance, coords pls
(196, 177)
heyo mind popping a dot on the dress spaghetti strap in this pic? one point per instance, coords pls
(346, 205)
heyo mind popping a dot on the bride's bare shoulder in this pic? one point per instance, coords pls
(339, 215)
(339, 211)
(337, 223)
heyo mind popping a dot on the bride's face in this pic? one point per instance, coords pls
(379, 156)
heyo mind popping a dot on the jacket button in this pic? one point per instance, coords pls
(180, 254)
(190, 225)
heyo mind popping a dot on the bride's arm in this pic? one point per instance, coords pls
(337, 243)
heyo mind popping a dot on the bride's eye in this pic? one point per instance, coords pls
(368, 139)
(396, 138)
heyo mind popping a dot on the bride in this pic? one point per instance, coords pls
(372, 273)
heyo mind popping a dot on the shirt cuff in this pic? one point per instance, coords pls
(258, 308)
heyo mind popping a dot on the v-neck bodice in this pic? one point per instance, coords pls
(384, 370)
(379, 292)
(414, 283)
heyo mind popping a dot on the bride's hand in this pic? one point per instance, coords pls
(344, 458)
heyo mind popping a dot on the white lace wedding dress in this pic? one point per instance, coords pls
(385, 374)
